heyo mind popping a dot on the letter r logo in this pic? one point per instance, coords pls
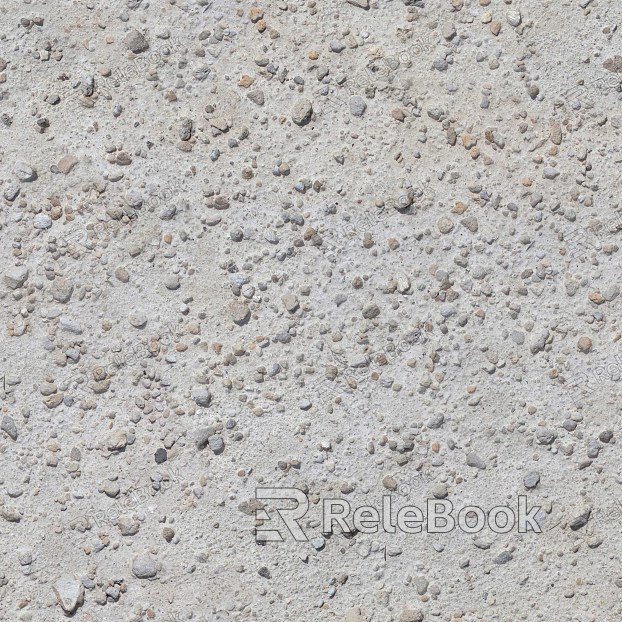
(288, 516)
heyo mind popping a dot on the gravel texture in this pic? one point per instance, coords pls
(366, 249)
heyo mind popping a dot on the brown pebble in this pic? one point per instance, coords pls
(596, 298)
(389, 482)
(556, 133)
(445, 224)
(122, 274)
(469, 140)
(398, 114)
(66, 164)
(584, 344)
(255, 13)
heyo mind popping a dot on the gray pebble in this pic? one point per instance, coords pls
(171, 281)
(25, 172)
(370, 311)
(136, 42)
(474, 460)
(69, 594)
(239, 312)
(581, 520)
(144, 566)
(301, 112)
(503, 558)
(257, 97)
(202, 436)
(290, 301)
(138, 319)
(550, 173)
(436, 421)
(318, 543)
(8, 426)
(16, 277)
(545, 436)
(42, 221)
(357, 106)
(202, 397)
(216, 444)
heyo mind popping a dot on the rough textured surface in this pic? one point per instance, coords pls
(364, 248)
